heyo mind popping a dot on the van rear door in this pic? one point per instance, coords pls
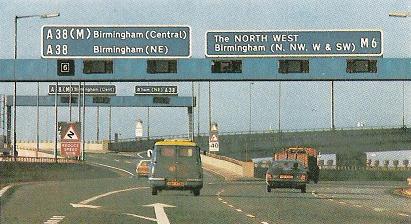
(188, 163)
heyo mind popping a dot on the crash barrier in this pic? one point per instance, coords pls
(261, 168)
(228, 165)
(37, 160)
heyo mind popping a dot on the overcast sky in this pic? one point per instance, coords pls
(304, 104)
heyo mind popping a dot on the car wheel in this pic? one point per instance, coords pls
(153, 191)
(303, 189)
(268, 188)
(196, 192)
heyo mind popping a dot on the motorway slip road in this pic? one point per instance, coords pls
(127, 199)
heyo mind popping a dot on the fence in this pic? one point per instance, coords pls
(37, 160)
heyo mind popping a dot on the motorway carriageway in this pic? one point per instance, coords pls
(128, 199)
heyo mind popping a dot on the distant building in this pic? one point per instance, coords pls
(399, 158)
(327, 160)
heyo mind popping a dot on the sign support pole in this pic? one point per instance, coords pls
(98, 123)
(38, 120)
(84, 123)
(56, 121)
(198, 109)
(332, 106)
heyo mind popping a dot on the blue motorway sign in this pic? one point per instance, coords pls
(98, 41)
(294, 43)
(156, 90)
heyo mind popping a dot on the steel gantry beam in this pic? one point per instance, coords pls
(113, 101)
(251, 69)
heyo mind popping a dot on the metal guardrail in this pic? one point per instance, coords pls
(264, 132)
(37, 160)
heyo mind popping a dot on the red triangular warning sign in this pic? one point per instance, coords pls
(71, 135)
(213, 138)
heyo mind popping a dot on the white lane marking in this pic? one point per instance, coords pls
(224, 202)
(231, 206)
(54, 220)
(239, 210)
(139, 154)
(379, 209)
(116, 160)
(251, 216)
(112, 167)
(84, 206)
(264, 222)
(358, 206)
(161, 215)
(85, 202)
(403, 214)
(341, 202)
(139, 216)
(4, 189)
(127, 161)
(220, 199)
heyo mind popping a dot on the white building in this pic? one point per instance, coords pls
(399, 158)
(327, 160)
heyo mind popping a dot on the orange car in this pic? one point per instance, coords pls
(143, 168)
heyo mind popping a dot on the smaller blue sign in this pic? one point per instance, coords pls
(156, 90)
(294, 43)
(98, 41)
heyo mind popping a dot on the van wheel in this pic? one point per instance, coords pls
(153, 191)
(268, 188)
(303, 189)
(196, 192)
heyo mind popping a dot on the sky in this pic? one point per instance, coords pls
(304, 105)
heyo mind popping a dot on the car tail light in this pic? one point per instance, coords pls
(268, 176)
(303, 177)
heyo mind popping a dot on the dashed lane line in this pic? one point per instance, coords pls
(236, 209)
(55, 219)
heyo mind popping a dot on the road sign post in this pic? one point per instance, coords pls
(213, 143)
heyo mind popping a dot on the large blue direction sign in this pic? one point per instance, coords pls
(97, 41)
(294, 43)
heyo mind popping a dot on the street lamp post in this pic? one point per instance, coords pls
(401, 15)
(249, 123)
(16, 18)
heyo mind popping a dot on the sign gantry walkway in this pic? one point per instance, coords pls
(217, 69)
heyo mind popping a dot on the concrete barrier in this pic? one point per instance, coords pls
(228, 169)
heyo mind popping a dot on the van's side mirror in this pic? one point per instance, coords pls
(149, 153)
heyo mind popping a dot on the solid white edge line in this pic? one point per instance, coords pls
(4, 189)
(112, 167)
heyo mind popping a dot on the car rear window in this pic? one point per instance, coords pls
(287, 164)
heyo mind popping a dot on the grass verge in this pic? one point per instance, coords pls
(15, 172)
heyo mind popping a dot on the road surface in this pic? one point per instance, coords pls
(127, 199)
